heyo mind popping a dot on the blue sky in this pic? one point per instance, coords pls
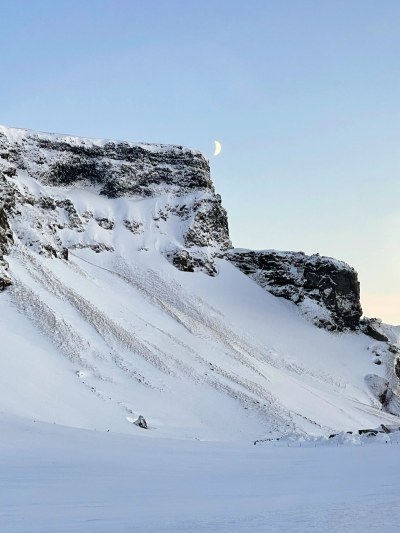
(302, 94)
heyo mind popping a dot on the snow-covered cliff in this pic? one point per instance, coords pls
(163, 195)
(122, 296)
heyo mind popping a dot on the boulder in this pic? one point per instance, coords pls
(141, 422)
(370, 326)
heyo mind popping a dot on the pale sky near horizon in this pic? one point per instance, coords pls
(303, 95)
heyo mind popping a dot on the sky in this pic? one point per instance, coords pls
(303, 95)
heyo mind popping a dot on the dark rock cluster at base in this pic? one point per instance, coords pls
(141, 422)
(295, 276)
(370, 326)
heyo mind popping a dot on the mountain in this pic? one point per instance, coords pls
(122, 297)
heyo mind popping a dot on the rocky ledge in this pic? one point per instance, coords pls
(326, 291)
(177, 178)
(116, 168)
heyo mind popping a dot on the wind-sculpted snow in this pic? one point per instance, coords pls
(112, 333)
(60, 333)
(205, 322)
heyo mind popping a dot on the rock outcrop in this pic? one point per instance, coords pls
(371, 327)
(141, 422)
(117, 168)
(327, 291)
(6, 241)
(384, 393)
(6, 236)
(179, 177)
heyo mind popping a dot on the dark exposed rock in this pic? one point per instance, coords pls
(6, 235)
(210, 224)
(183, 211)
(141, 422)
(75, 221)
(397, 367)
(184, 261)
(46, 202)
(331, 284)
(6, 241)
(134, 227)
(105, 223)
(10, 171)
(51, 252)
(118, 168)
(96, 247)
(206, 238)
(370, 326)
(383, 392)
(5, 280)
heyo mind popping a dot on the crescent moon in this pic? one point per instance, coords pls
(218, 148)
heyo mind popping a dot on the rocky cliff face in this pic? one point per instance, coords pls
(327, 291)
(175, 179)
(6, 241)
(116, 168)
(68, 199)
(170, 205)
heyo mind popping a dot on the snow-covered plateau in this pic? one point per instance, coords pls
(142, 356)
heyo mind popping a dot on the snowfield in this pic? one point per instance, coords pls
(123, 306)
(59, 479)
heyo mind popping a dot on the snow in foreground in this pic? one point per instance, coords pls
(58, 479)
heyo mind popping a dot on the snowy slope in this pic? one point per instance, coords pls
(99, 326)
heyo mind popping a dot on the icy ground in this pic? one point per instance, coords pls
(58, 479)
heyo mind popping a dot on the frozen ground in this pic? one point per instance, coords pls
(58, 479)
